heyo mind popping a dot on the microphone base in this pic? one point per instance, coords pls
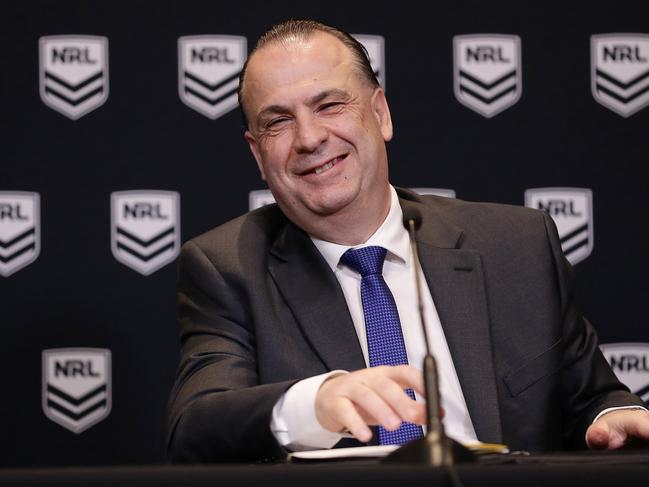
(427, 451)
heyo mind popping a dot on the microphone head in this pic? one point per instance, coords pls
(411, 214)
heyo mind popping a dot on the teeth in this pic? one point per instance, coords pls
(323, 168)
(327, 166)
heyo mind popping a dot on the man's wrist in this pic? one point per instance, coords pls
(617, 408)
(294, 423)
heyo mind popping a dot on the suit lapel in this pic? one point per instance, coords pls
(456, 281)
(313, 293)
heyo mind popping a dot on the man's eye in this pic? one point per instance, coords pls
(276, 121)
(331, 105)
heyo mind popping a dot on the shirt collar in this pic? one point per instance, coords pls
(391, 235)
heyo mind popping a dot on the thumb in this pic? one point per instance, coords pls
(598, 434)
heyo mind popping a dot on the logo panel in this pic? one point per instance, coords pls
(208, 72)
(375, 46)
(73, 73)
(572, 212)
(620, 71)
(630, 362)
(259, 198)
(145, 229)
(20, 230)
(447, 193)
(77, 386)
(487, 72)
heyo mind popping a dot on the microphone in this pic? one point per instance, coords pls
(435, 448)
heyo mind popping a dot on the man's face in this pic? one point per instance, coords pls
(317, 129)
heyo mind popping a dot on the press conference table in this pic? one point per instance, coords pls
(574, 470)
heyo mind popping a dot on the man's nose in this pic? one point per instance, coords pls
(310, 133)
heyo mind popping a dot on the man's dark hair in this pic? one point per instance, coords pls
(303, 30)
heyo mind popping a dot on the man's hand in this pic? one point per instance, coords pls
(617, 428)
(369, 397)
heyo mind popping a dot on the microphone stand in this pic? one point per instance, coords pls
(435, 448)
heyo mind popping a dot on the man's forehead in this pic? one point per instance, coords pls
(296, 50)
(293, 60)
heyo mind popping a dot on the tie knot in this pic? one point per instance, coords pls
(366, 261)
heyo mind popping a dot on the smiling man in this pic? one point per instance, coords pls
(299, 320)
(318, 129)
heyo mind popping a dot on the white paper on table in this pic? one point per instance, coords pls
(377, 451)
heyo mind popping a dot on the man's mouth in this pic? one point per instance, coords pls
(328, 165)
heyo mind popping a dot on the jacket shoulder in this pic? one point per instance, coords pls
(486, 225)
(242, 238)
(465, 213)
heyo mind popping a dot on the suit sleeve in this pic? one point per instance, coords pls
(218, 411)
(588, 384)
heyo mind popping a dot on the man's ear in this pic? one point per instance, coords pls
(382, 113)
(252, 143)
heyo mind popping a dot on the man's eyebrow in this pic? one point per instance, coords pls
(315, 99)
(326, 94)
(271, 109)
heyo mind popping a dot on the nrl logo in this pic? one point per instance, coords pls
(208, 72)
(572, 212)
(145, 229)
(259, 198)
(76, 386)
(447, 193)
(630, 362)
(487, 72)
(20, 230)
(620, 71)
(375, 46)
(73, 73)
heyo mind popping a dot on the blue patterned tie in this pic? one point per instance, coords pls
(384, 337)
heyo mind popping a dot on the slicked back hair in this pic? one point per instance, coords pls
(304, 30)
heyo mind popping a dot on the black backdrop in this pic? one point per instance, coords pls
(77, 295)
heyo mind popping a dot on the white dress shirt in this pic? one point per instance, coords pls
(293, 421)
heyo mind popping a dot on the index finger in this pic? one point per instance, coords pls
(406, 376)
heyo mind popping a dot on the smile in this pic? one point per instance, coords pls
(328, 165)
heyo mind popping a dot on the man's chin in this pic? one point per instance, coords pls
(329, 206)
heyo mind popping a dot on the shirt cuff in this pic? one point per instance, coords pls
(618, 408)
(294, 423)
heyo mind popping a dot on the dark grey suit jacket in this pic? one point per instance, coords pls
(260, 309)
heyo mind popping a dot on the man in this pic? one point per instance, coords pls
(277, 326)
